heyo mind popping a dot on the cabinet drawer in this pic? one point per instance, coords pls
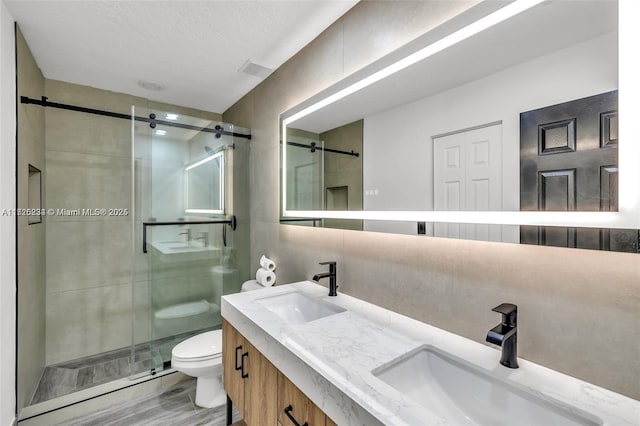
(293, 405)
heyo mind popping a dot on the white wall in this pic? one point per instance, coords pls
(7, 224)
(398, 141)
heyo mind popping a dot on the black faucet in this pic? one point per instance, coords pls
(333, 286)
(506, 334)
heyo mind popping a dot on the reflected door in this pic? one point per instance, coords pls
(468, 176)
(569, 162)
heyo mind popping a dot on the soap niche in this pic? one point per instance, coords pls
(34, 195)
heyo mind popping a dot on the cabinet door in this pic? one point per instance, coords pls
(301, 407)
(315, 416)
(233, 346)
(261, 389)
(330, 422)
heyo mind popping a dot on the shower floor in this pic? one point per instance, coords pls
(79, 374)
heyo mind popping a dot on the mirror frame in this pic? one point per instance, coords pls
(462, 26)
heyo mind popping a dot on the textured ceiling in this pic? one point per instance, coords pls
(192, 48)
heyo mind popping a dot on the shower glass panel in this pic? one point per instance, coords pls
(305, 174)
(305, 163)
(185, 256)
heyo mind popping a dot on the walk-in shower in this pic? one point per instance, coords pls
(150, 271)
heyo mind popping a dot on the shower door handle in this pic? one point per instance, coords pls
(238, 367)
(244, 375)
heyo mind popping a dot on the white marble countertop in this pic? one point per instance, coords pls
(330, 359)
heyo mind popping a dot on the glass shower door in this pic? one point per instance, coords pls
(305, 176)
(185, 258)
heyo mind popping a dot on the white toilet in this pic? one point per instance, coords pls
(201, 357)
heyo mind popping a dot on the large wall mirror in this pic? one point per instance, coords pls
(499, 125)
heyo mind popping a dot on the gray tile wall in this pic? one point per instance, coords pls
(578, 309)
(31, 238)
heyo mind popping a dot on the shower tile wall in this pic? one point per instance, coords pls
(89, 266)
(31, 238)
(344, 170)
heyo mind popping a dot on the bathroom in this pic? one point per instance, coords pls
(578, 308)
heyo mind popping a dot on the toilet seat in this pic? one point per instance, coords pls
(202, 347)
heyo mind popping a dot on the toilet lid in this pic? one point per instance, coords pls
(184, 310)
(204, 345)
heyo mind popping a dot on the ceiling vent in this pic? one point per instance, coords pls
(252, 68)
(150, 85)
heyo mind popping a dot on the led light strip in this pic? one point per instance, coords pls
(474, 28)
(628, 128)
(628, 215)
(222, 187)
(205, 160)
(573, 219)
(482, 24)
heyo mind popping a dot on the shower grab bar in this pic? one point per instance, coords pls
(231, 222)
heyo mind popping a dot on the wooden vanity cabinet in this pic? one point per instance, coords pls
(259, 391)
(250, 380)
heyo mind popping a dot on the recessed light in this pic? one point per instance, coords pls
(150, 85)
(171, 116)
(161, 132)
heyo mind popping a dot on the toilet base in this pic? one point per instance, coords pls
(210, 392)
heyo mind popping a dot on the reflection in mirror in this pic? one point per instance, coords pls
(492, 123)
(204, 183)
(324, 171)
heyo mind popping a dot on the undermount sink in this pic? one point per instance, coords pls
(464, 395)
(297, 308)
(181, 251)
(186, 248)
(172, 247)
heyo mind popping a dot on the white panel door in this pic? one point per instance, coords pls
(448, 190)
(468, 176)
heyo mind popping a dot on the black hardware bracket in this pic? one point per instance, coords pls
(288, 409)
(229, 411)
(238, 367)
(244, 375)
(313, 148)
(231, 222)
(153, 122)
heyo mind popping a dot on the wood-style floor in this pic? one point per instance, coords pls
(173, 406)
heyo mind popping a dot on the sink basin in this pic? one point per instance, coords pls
(186, 248)
(465, 395)
(180, 251)
(297, 308)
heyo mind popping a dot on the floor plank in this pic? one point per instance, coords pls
(173, 406)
